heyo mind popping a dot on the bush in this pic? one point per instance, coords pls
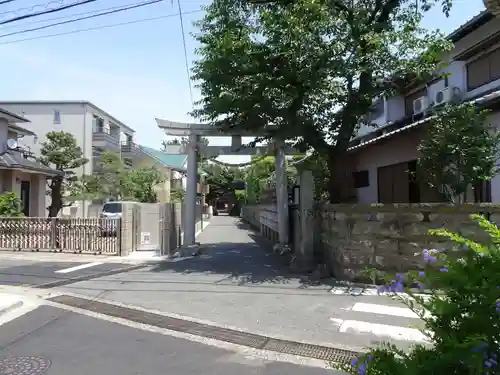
(10, 205)
(461, 313)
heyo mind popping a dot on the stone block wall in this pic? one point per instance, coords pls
(389, 237)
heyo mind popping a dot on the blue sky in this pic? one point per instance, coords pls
(136, 72)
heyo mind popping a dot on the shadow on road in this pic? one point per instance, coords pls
(250, 261)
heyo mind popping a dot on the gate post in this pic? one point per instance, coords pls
(128, 231)
(306, 205)
(281, 194)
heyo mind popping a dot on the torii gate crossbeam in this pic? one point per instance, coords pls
(193, 132)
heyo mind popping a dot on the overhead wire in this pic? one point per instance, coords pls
(98, 27)
(54, 10)
(106, 13)
(72, 15)
(32, 7)
(6, 1)
(184, 44)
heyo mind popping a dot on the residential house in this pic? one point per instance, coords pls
(172, 168)
(94, 129)
(386, 149)
(19, 171)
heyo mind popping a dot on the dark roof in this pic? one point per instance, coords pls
(12, 117)
(475, 23)
(16, 160)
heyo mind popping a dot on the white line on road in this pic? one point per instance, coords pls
(79, 267)
(383, 330)
(384, 310)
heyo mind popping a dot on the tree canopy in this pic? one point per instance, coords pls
(60, 151)
(309, 70)
(222, 179)
(459, 150)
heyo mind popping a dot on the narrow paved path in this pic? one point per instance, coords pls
(238, 284)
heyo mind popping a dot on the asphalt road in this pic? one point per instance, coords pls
(59, 342)
(20, 272)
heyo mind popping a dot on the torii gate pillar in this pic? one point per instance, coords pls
(191, 187)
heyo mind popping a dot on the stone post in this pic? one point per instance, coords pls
(306, 205)
(128, 230)
(281, 194)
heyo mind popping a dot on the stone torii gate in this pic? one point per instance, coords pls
(194, 132)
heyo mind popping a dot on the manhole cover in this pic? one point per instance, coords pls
(24, 366)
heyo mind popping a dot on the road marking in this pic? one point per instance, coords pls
(383, 330)
(79, 267)
(384, 310)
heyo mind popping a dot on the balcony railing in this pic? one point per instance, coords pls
(105, 140)
(129, 147)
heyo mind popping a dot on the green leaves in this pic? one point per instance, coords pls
(60, 151)
(311, 68)
(10, 205)
(140, 184)
(460, 149)
(461, 312)
(111, 180)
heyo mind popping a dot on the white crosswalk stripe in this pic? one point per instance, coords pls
(381, 322)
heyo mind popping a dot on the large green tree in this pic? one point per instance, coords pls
(108, 181)
(309, 70)
(61, 152)
(141, 184)
(221, 179)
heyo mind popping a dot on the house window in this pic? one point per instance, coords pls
(361, 179)
(483, 70)
(57, 117)
(98, 124)
(410, 98)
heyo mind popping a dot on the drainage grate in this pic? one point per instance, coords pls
(311, 351)
(218, 333)
(63, 282)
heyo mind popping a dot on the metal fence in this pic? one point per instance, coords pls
(77, 235)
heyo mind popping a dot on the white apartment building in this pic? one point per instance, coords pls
(384, 152)
(94, 129)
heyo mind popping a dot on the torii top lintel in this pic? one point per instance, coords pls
(180, 129)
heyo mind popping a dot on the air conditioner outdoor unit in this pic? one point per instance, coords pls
(448, 95)
(420, 105)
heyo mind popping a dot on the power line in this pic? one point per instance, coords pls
(54, 10)
(71, 15)
(33, 7)
(99, 27)
(150, 2)
(185, 52)
(6, 1)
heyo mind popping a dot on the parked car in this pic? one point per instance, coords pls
(112, 210)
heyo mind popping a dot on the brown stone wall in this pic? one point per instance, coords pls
(387, 237)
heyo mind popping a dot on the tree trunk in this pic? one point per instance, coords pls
(56, 203)
(341, 184)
